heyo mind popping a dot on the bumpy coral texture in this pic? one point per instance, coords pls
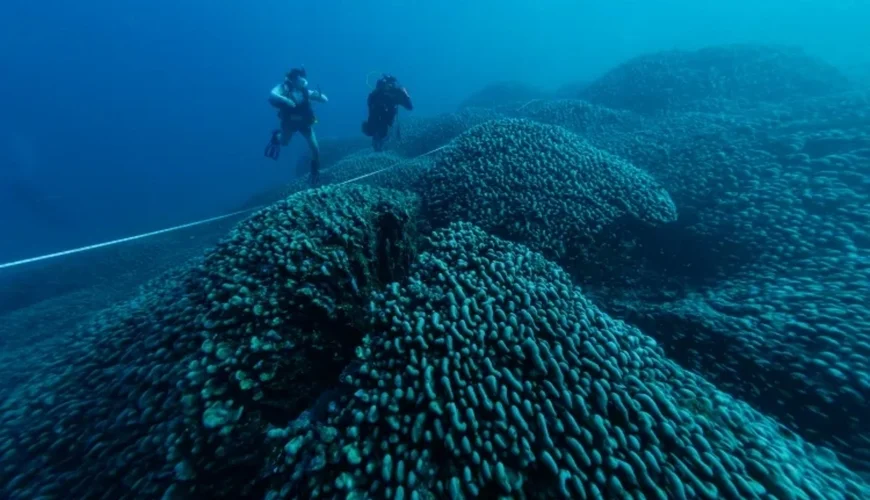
(540, 185)
(488, 373)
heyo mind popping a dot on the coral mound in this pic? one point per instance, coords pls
(173, 392)
(580, 117)
(714, 78)
(326, 349)
(385, 170)
(488, 373)
(502, 95)
(422, 135)
(802, 335)
(540, 185)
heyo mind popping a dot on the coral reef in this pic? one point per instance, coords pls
(489, 374)
(540, 185)
(652, 287)
(729, 77)
(173, 389)
(503, 95)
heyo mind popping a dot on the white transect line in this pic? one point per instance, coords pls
(526, 104)
(122, 240)
(190, 224)
(394, 165)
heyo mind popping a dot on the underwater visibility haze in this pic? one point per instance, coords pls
(556, 249)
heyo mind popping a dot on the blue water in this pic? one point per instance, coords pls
(616, 250)
(123, 117)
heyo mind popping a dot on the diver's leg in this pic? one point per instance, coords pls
(383, 135)
(286, 133)
(314, 148)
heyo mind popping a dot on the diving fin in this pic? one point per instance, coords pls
(273, 147)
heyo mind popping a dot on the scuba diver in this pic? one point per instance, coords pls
(293, 99)
(384, 102)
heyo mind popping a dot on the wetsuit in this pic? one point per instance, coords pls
(297, 118)
(383, 104)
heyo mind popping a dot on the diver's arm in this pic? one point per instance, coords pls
(402, 98)
(316, 95)
(276, 98)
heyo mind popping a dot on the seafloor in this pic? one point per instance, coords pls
(652, 285)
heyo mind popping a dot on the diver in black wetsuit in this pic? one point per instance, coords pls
(293, 99)
(383, 104)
